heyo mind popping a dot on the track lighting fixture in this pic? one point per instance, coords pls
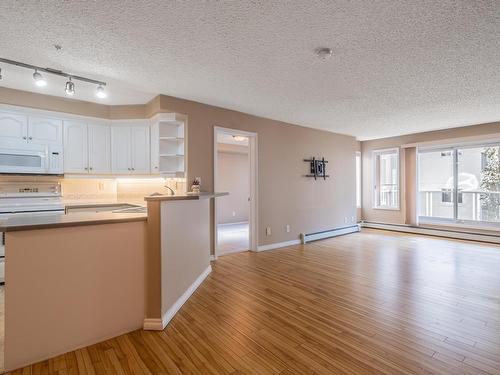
(69, 87)
(39, 80)
(100, 93)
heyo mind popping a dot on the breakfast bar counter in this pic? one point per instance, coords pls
(61, 220)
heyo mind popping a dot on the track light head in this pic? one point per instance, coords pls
(100, 93)
(70, 88)
(39, 80)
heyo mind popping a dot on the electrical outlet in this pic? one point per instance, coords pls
(234, 213)
(345, 219)
(352, 219)
(287, 228)
(268, 231)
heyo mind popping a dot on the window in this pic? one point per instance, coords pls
(386, 179)
(358, 179)
(460, 184)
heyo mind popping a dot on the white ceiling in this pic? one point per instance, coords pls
(398, 67)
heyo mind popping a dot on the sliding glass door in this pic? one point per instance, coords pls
(460, 184)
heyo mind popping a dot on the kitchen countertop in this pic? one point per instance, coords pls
(67, 220)
(187, 196)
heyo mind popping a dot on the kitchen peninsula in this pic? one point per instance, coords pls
(85, 277)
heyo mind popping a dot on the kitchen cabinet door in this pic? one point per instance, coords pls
(75, 147)
(13, 127)
(140, 150)
(99, 139)
(45, 130)
(155, 148)
(121, 150)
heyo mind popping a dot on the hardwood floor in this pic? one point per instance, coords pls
(375, 302)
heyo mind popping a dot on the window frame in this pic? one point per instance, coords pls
(455, 221)
(375, 179)
(359, 179)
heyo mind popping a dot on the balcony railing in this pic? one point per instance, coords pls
(472, 205)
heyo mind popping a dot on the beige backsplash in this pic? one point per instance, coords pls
(117, 189)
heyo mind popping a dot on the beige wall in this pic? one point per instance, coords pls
(285, 196)
(233, 171)
(408, 168)
(94, 290)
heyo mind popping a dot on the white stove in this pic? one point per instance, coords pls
(27, 198)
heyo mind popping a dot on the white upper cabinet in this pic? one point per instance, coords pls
(87, 148)
(99, 140)
(130, 149)
(75, 147)
(13, 127)
(45, 130)
(121, 150)
(155, 148)
(140, 149)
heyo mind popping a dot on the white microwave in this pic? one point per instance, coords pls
(31, 158)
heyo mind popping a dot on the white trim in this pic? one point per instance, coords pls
(170, 313)
(160, 324)
(254, 185)
(328, 234)
(375, 179)
(213, 257)
(433, 232)
(278, 245)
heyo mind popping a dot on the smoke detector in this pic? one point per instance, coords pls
(324, 52)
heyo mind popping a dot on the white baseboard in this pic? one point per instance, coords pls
(459, 235)
(278, 245)
(329, 233)
(212, 257)
(160, 324)
(170, 313)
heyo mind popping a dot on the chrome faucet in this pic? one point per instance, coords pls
(171, 191)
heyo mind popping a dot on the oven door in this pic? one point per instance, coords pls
(24, 160)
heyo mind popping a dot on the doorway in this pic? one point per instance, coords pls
(235, 172)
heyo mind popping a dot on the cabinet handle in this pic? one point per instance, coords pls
(30, 138)
(86, 169)
(129, 169)
(156, 167)
(90, 168)
(24, 137)
(133, 169)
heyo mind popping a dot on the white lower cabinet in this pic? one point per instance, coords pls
(130, 149)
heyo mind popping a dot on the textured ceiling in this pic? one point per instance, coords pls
(398, 67)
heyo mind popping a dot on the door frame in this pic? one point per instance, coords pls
(253, 169)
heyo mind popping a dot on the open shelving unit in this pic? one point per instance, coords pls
(168, 145)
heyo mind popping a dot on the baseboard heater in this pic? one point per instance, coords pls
(308, 237)
(448, 233)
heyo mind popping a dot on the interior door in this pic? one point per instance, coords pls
(75, 147)
(99, 148)
(45, 130)
(13, 127)
(140, 150)
(121, 161)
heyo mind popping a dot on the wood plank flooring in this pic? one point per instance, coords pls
(374, 302)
